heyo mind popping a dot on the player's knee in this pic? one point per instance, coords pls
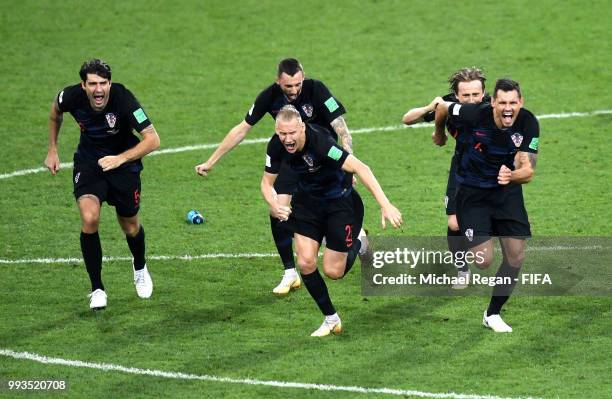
(516, 259)
(90, 221)
(307, 265)
(334, 274)
(130, 229)
(483, 260)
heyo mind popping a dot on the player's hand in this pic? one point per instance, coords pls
(392, 214)
(439, 139)
(434, 103)
(203, 169)
(52, 162)
(280, 212)
(111, 162)
(504, 176)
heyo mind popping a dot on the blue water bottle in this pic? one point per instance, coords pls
(195, 217)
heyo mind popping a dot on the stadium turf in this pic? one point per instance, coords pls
(196, 68)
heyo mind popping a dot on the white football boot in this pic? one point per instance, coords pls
(97, 299)
(143, 282)
(331, 325)
(495, 323)
(291, 280)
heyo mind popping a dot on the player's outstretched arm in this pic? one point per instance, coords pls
(416, 115)
(389, 212)
(439, 135)
(148, 144)
(231, 140)
(56, 117)
(267, 190)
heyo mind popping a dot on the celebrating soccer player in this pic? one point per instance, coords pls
(325, 204)
(499, 155)
(316, 104)
(467, 86)
(107, 166)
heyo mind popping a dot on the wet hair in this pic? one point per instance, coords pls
(290, 66)
(96, 67)
(507, 84)
(288, 113)
(466, 75)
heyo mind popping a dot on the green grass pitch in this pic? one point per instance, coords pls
(196, 67)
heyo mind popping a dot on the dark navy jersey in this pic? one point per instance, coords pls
(455, 128)
(315, 103)
(106, 132)
(318, 165)
(488, 147)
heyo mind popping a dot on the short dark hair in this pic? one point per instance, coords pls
(466, 75)
(290, 66)
(507, 84)
(96, 67)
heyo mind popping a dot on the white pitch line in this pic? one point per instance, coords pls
(244, 381)
(154, 257)
(174, 150)
(247, 255)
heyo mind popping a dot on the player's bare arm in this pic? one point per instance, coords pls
(231, 140)
(277, 210)
(439, 135)
(524, 163)
(56, 118)
(388, 211)
(416, 115)
(149, 143)
(342, 130)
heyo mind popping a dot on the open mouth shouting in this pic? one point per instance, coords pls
(290, 146)
(507, 118)
(98, 99)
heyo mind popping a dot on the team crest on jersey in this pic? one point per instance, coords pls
(310, 162)
(111, 119)
(308, 109)
(308, 159)
(469, 233)
(517, 139)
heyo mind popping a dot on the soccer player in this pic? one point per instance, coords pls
(325, 204)
(315, 104)
(107, 166)
(499, 155)
(467, 86)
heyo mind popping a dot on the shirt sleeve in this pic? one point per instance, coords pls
(431, 116)
(531, 139)
(464, 113)
(65, 98)
(134, 113)
(329, 150)
(259, 107)
(329, 106)
(274, 155)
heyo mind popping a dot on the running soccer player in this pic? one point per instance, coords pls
(500, 154)
(467, 86)
(107, 165)
(325, 204)
(315, 104)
